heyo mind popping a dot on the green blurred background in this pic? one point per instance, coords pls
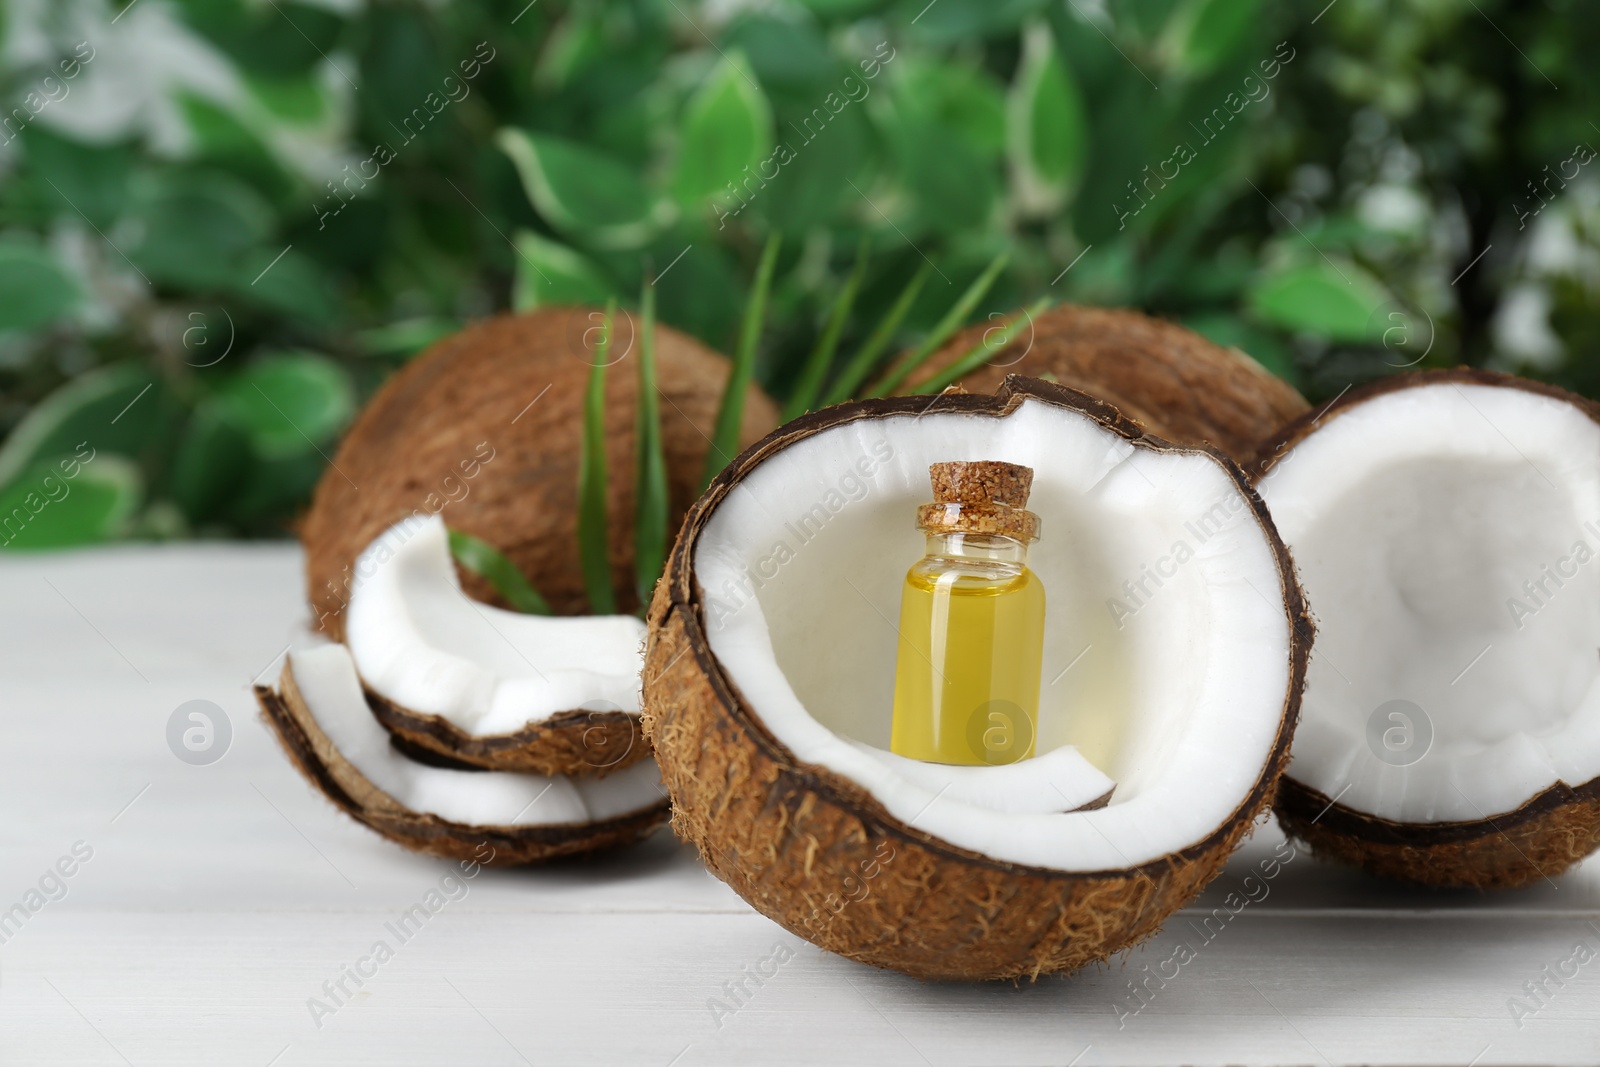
(222, 223)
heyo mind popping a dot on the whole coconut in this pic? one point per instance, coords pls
(1169, 379)
(485, 428)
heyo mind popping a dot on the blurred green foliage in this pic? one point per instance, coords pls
(222, 223)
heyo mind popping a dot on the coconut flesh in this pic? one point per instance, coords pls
(1170, 668)
(1180, 706)
(1447, 528)
(326, 678)
(422, 644)
(1058, 780)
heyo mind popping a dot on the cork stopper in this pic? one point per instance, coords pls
(980, 497)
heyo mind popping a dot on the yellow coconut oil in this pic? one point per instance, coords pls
(971, 623)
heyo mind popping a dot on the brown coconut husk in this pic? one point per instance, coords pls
(484, 428)
(1176, 384)
(569, 742)
(1543, 837)
(787, 836)
(515, 383)
(316, 757)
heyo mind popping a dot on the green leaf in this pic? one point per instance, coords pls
(840, 9)
(197, 229)
(259, 37)
(492, 565)
(119, 409)
(727, 127)
(964, 23)
(290, 404)
(35, 290)
(1128, 133)
(952, 321)
(76, 177)
(575, 43)
(813, 188)
(1200, 34)
(212, 461)
(703, 293)
(219, 135)
(275, 487)
(550, 273)
(953, 185)
(725, 437)
(593, 528)
(406, 337)
(787, 54)
(861, 365)
(1047, 126)
(816, 365)
(297, 101)
(294, 285)
(650, 493)
(579, 190)
(962, 98)
(990, 345)
(1337, 302)
(61, 503)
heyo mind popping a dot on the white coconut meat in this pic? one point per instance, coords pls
(1058, 780)
(1446, 536)
(1167, 644)
(423, 644)
(326, 678)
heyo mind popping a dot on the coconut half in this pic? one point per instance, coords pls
(1175, 649)
(1169, 379)
(321, 718)
(1447, 527)
(481, 685)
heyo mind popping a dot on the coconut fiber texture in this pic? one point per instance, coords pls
(1176, 384)
(1542, 838)
(589, 742)
(796, 840)
(485, 429)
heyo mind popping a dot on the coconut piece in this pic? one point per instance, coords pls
(1058, 780)
(484, 428)
(322, 721)
(1171, 380)
(485, 686)
(1175, 671)
(1446, 525)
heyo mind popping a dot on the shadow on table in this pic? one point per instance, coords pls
(660, 854)
(1303, 882)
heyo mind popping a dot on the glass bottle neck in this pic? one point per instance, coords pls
(994, 548)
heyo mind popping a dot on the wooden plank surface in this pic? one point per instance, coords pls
(217, 900)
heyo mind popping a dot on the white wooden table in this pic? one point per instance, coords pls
(219, 899)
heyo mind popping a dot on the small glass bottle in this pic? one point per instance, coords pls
(971, 622)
